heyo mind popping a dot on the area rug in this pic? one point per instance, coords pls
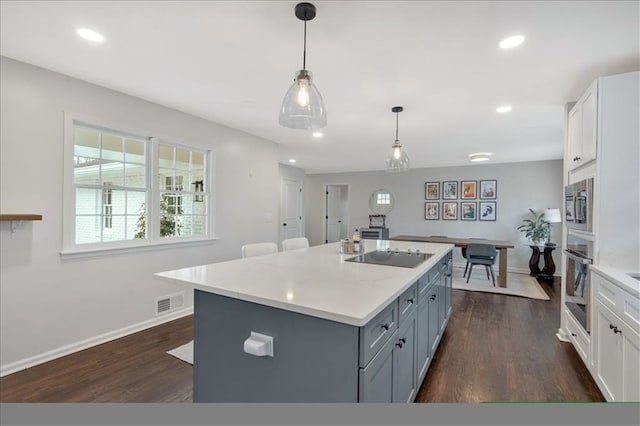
(184, 352)
(517, 284)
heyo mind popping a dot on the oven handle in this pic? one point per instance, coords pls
(577, 258)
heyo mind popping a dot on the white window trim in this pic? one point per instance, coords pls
(72, 250)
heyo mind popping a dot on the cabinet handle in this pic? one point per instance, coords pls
(401, 342)
(574, 335)
(411, 300)
(615, 329)
(576, 158)
(385, 326)
(433, 297)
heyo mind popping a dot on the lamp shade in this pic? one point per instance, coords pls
(398, 161)
(552, 216)
(302, 106)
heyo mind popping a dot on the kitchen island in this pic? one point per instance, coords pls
(339, 331)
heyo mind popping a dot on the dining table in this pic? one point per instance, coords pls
(500, 245)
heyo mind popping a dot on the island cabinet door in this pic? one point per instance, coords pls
(423, 354)
(376, 379)
(433, 298)
(404, 361)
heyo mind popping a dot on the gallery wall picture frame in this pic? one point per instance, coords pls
(487, 210)
(488, 189)
(431, 210)
(468, 210)
(432, 190)
(450, 210)
(450, 190)
(468, 189)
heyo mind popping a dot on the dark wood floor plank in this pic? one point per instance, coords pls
(496, 348)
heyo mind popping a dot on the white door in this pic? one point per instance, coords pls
(336, 213)
(291, 209)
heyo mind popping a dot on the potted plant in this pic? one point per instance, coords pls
(536, 230)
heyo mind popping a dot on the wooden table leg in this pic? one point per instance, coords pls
(502, 278)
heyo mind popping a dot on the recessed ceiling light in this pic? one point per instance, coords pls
(317, 134)
(90, 35)
(292, 160)
(512, 41)
(480, 156)
(504, 109)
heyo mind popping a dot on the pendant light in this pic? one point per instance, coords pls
(398, 161)
(302, 107)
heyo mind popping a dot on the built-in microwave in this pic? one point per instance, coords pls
(579, 205)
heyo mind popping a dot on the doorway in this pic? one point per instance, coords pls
(336, 213)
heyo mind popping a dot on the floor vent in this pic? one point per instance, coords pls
(169, 303)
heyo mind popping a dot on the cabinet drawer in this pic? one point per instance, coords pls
(622, 303)
(426, 280)
(608, 293)
(578, 337)
(377, 331)
(407, 303)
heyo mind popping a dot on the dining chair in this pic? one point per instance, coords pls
(464, 254)
(482, 254)
(258, 249)
(295, 244)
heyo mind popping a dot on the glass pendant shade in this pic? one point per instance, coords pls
(398, 161)
(302, 106)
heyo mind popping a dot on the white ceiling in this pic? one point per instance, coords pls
(232, 62)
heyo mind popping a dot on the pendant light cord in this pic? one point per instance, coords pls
(396, 127)
(304, 51)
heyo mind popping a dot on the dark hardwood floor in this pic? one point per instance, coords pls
(495, 348)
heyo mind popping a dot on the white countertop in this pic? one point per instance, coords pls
(314, 281)
(620, 278)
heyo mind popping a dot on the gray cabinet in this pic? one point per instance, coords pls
(375, 380)
(423, 354)
(434, 317)
(404, 361)
(391, 374)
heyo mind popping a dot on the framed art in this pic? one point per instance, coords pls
(468, 210)
(450, 211)
(468, 189)
(377, 221)
(488, 189)
(432, 191)
(487, 210)
(431, 211)
(450, 190)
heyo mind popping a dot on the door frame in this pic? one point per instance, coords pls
(325, 214)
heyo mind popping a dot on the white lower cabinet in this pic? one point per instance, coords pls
(616, 356)
(615, 361)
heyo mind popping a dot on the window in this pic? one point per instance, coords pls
(384, 198)
(117, 175)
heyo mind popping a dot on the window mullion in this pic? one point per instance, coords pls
(153, 194)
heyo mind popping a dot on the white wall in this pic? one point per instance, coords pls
(46, 303)
(521, 186)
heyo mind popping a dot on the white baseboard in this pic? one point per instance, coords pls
(563, 336)
(92, 341)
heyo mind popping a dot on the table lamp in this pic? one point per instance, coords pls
(551, 216)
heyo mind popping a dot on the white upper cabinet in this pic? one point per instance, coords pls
(583, 129)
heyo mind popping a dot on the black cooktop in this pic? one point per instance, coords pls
(403, 259)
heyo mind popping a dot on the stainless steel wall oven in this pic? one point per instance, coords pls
(579, 252)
